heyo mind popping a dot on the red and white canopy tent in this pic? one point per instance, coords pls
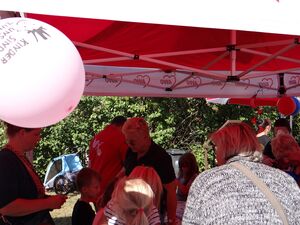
(203, 53)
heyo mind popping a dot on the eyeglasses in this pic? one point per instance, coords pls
(213, 147)
(210, 146)
(230, 122)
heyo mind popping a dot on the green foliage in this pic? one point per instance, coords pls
(3, 138)
(182, 123)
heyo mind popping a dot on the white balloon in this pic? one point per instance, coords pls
(41, 73)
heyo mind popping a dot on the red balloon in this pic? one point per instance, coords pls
(286, 106)
(259, 111)
(253, 120)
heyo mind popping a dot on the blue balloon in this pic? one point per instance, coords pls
(297, 110)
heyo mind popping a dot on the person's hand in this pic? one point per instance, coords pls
(173, 222)
(98, 202)
(56, 201)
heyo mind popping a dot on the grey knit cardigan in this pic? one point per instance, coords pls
(223, 195)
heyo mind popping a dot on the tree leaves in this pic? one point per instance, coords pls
(183, 123)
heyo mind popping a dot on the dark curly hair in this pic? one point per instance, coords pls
(188, 159)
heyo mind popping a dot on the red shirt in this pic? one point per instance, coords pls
(107, 153)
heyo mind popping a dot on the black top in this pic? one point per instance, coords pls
(264, 139)
(16, 183)
(268, 150)
(157, 158)
(83, 214)
(15, 179)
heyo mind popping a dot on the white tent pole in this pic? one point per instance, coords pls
(268, 54)
(98, 48)
(204, 73)
(188, 52)
(254, 75)
(233, 52)
(159, 62)
(293, 86)
(123, 74)
(157, 55)
(198, 51)
(112, 59)
(205, 67)
(281, 51)
(211, 63)
(266, 44)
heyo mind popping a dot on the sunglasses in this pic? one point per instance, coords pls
(230, 122)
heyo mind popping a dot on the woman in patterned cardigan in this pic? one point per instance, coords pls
(224, 195)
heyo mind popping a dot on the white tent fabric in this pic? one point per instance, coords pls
(264, 65)
(271, 16)
(125, 81)
(222, 101)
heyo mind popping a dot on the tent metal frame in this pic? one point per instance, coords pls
(230, 50)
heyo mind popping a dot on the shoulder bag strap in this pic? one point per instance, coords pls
(264, 189)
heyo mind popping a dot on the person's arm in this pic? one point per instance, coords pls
(100, 218)
(185, 188)
(121, 174)
(22, 207)
(171, 202)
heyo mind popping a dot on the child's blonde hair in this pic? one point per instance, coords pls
(150, 176)
(133, 201)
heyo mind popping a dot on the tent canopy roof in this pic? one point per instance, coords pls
(116, 43)
(142, 59)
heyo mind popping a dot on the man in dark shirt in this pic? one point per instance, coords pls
(143, 151)
(281, 125)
